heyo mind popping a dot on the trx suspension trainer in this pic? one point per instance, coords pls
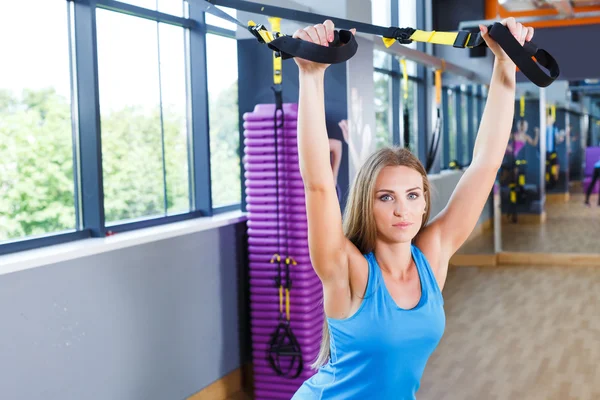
(345, 46)
(283, 344)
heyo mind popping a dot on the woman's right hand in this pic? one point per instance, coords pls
(321, 34)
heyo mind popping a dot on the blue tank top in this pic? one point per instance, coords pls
(380, 351)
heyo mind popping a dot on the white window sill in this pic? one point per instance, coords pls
(86, 247)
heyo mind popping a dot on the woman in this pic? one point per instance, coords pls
(384, 267)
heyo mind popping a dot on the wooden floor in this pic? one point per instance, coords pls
(518, 333)
(569, 228)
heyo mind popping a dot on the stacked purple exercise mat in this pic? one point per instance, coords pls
(278, 247)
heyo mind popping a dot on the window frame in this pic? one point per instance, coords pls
(86, 130)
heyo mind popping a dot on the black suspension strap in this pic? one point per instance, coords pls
(283, 344)
(341, 49)
(522, 56)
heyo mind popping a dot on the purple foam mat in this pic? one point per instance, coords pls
(304, 298)
(270, 158)
(280, 166)
(298, 294)
(299, 268)
(267, 374)
(260, 344)
(275, 217)
(265, 258)
(293, 252)
(264, 362)
(299, 306)
(273, 225)
(270, 133)
(291, 233)
(270, 141)
(301, 321)
(285, 123)
(268, 109)
(272, 183)
(268, 208)
(297, 281)
(273, 191)
(278, 241)
(271, 150)
(272, 175)
(299, 278)
(315, 331)
(275, 200)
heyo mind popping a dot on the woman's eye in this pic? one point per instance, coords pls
(385, 197)
(413, 196)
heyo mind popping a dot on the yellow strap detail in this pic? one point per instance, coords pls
(404, 78)
(287, 304)
(276, 27)
(438, 86)
(522, 103)
(280, 299)
(553, 111)
(522, 180)
(434, 37)
(388, 41)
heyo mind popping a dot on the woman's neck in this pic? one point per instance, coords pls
(394, 258)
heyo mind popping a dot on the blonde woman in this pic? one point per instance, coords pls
(383, 266)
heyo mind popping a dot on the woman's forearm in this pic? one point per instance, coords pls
(496, 122)
(313, 143)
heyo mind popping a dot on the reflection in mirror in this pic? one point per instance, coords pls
(548, 168)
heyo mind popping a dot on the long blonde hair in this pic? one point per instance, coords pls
(359, 223)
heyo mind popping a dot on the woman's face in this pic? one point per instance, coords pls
(398, 204)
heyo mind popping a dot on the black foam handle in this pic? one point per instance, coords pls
(522, 56)
(342, 48)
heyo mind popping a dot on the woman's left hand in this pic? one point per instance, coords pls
(521, 33)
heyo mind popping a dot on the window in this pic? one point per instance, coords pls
(412, 110)
(173, 7)
(407, 18)
(220, 22)
(450, 119)
(381, 12)
(464, 115)
(141, 73)
(37, 191)
(383, 116)
(221, 56)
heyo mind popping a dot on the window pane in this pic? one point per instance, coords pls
(173, 7)
(413, 107)
(381, 12)
(173, 94)
(382, 109)
(220, 22)
(223, 120)
(465, 128)
(407, 18)
(138, 180)
(382, 60)
(451, 121)
(36, 141)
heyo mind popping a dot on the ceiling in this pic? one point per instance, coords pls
(546, 13)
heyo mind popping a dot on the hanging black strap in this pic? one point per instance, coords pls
(521, 55)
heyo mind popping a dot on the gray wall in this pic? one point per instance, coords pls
(154, 321)
(442, 187)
